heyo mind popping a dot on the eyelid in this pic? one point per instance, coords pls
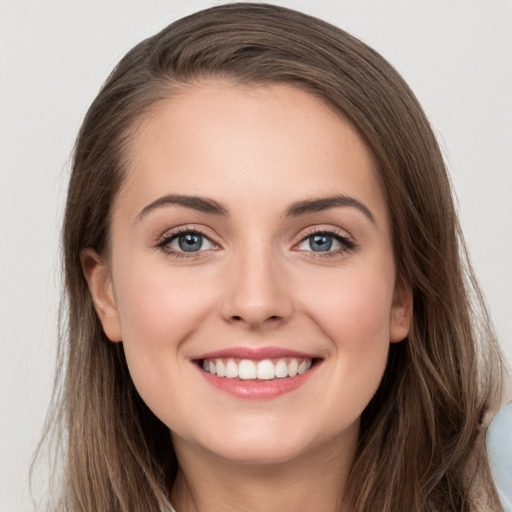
(320, 228)
(339, 233)
(342, 236)
(170, 235)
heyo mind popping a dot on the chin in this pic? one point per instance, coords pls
(269, 443)
(260, 454)
(244, 440)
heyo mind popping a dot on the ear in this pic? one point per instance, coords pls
(100, 286)
(401, 313)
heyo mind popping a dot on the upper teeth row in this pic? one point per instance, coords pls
(264, 370)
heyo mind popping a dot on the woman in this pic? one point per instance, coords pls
(268, 306)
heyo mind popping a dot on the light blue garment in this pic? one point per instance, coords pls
(499, 448)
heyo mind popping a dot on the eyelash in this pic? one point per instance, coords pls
(168, 238)
(347, 244)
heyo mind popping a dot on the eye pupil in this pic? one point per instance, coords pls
(321, 243)
(190, 242)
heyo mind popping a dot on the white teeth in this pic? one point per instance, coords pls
(303, 367)
(293, 365)
(281, 369)
(231, 369)
(221, 368)
(266, 369)
(246, 369)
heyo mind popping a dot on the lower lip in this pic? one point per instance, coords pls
(258, 388)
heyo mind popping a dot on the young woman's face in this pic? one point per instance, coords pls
(251, 237)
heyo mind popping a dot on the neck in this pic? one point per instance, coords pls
(314, 480)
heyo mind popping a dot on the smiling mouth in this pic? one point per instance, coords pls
(264, 369)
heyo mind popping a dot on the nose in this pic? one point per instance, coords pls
(257, 292)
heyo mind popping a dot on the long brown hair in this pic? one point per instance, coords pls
(421, 445)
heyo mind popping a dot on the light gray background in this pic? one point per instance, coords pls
(54, 55)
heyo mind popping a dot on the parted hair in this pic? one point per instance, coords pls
(421, 445)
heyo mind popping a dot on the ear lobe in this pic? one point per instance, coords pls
(100, 287)
(401, 314)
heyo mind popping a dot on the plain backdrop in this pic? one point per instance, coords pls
(54, 55)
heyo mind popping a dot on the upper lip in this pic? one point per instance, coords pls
(256, 353)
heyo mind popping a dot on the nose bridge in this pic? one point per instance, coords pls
(258, 292)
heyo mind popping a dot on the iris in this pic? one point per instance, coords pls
(190, 242)
(320, 243)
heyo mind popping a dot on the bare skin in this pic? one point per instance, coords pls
(265, 487)
(258, 272)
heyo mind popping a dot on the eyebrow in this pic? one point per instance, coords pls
(325, 203)
(202, 204)
(305, 207)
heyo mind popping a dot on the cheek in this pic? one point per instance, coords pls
(158, 309)
(354, 313)
(157, 305)
(353, 307)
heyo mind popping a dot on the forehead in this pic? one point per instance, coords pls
(248, 143)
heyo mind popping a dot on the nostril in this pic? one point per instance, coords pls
(239, 318)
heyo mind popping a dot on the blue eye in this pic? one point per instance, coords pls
(186, 241)
(325, 242)
(320, 243)
(190, 243)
